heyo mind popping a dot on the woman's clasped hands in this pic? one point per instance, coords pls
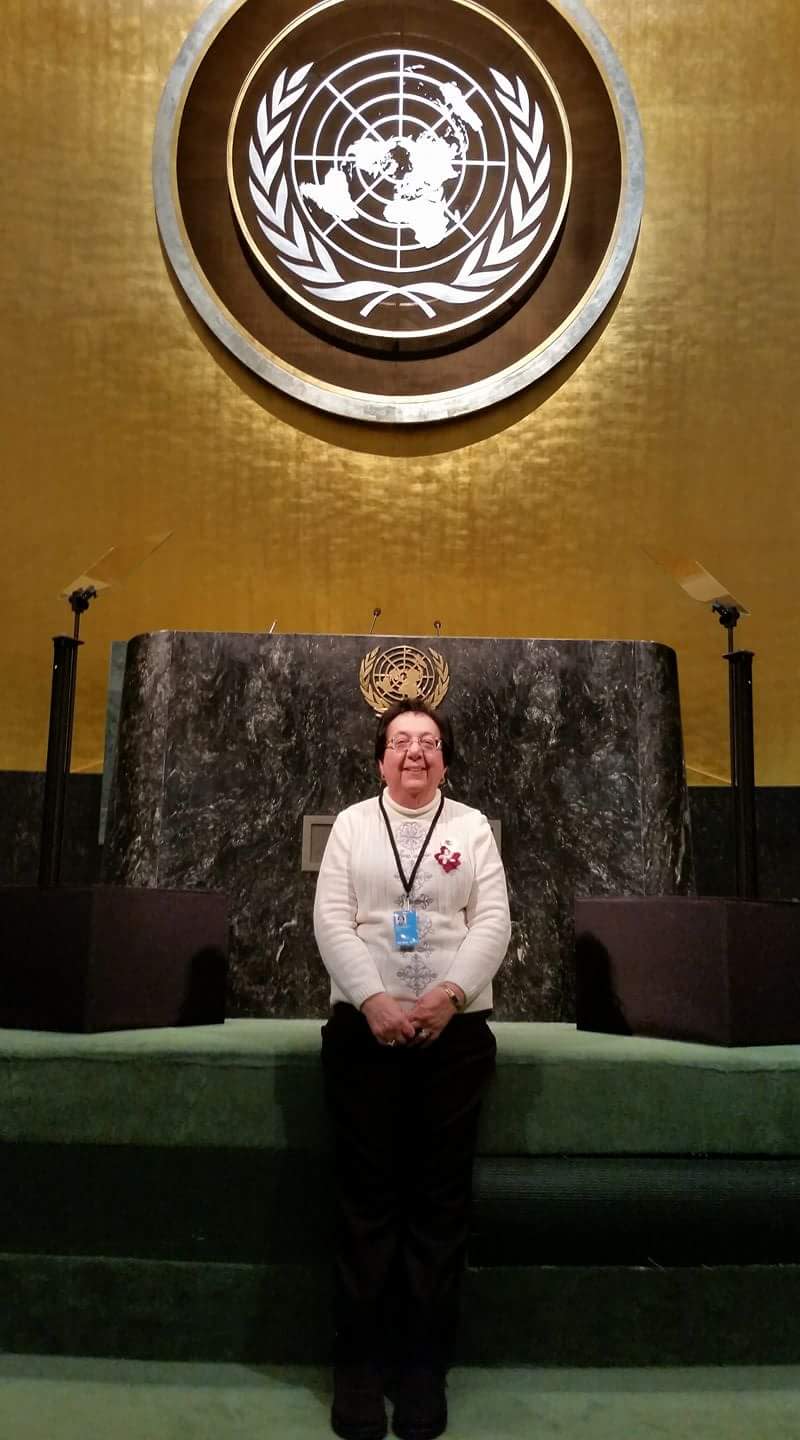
(393, 1024)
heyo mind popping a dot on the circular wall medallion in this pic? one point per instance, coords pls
(397, 192)
(397, 211)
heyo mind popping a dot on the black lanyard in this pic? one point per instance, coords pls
(408, 884)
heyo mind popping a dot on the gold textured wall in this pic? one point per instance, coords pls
(679, 429)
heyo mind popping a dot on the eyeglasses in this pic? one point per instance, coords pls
(401, 743)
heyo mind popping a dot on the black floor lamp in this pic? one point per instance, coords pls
(700, 585)
(112, 567)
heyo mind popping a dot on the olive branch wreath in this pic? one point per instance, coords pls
(441, 671)
(488, 262)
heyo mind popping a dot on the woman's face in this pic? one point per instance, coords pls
(413, 772)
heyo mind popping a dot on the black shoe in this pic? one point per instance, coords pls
(420, 1412)
(358, 1411)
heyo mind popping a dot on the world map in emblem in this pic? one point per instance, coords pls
(403, 193)
(414, 167)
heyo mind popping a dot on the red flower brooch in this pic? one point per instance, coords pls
(447, 858)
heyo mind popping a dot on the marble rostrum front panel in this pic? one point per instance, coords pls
(227, 741)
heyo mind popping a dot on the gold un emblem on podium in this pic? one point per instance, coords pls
(403, 673)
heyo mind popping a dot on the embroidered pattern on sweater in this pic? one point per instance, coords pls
(417, 976)
(408, 837)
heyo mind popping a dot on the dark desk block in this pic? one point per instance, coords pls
(226, 743)
(104, 957)
(722, 972)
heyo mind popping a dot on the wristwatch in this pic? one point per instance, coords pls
(453, 994)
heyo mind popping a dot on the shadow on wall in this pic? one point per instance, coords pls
(437, 438)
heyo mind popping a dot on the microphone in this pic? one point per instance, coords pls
(437, 625)
(376, 612)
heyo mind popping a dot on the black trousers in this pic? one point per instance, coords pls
(405, 1122)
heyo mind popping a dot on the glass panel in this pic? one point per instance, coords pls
(694, 579)
(116, 564)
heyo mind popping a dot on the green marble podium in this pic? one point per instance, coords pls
(227, 742)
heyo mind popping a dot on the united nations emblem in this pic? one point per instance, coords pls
(403, 191)
(394, 210)
(403, 673)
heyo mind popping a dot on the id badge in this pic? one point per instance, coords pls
(406, 933)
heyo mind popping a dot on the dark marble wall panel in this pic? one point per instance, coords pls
(546, 730)
(777, 811)
(133, 820)
(21, 801)
(666, 829)
(778, 834)
(116, 675)
(230, 739)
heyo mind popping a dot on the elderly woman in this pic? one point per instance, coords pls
(411, 919)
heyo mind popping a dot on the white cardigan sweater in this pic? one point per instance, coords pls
(460, 899)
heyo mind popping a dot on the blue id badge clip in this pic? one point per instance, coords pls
(406, 933)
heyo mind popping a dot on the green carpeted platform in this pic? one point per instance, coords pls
(255, 1083)
(165, 1194)
(62, 1399)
